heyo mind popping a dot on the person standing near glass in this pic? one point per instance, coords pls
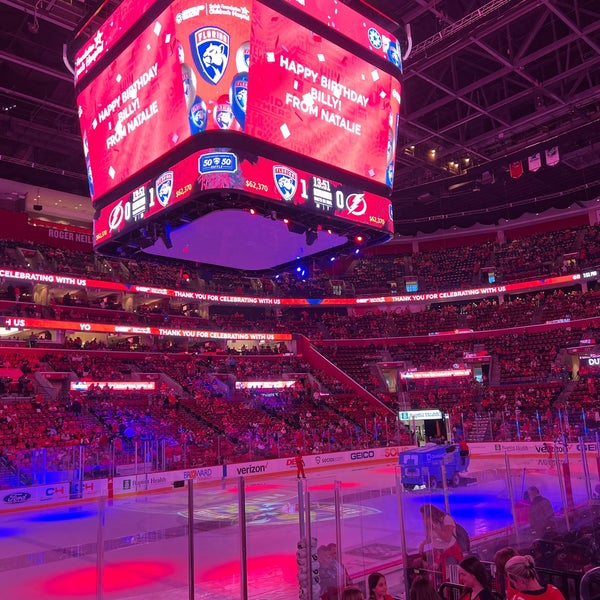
(440, 534)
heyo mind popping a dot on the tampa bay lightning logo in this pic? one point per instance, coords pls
(375, 38)
(286, 182)
(210, 49)
(164, 187)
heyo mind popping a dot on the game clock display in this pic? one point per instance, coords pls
(237, 66)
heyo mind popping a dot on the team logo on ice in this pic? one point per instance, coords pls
(286, 182)
(210, 49)
(164, 187)
(356, 205)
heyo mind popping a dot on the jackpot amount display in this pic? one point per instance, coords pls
(236, 67)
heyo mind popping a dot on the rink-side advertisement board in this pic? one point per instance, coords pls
(43, 495)
(36, 496)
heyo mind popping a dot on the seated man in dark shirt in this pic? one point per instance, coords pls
(541, 514)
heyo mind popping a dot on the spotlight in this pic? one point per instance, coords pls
(359, 239)
(311, 237)
(252, 211)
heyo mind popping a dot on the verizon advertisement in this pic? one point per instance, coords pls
(222, 168)
(235, 67)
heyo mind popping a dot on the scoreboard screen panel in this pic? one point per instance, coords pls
(214, 169)
(242, 67)
(343, 19)
(321, 101)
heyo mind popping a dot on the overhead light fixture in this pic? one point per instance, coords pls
(37, 205)
(311, 237)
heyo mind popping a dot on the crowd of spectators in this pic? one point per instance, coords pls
(537, 255)
(199, 418)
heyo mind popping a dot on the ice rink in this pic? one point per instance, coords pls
(53, 553)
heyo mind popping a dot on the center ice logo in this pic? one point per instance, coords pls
(210, 49)
(286, 182)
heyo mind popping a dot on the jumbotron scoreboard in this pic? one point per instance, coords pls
(286, 108)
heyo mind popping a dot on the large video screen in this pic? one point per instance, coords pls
(213, 169)
(320, 100)
(241, 67)
(108, 34)
(343, 19)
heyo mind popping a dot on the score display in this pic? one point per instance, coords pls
(224, 169)
(237, 66)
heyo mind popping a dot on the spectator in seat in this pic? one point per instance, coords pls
(522, 575)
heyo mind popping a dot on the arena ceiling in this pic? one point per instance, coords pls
(486, 84)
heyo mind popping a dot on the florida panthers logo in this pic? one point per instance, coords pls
(210, 49)
(239, 97)
(286, 182)
(164, 187)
